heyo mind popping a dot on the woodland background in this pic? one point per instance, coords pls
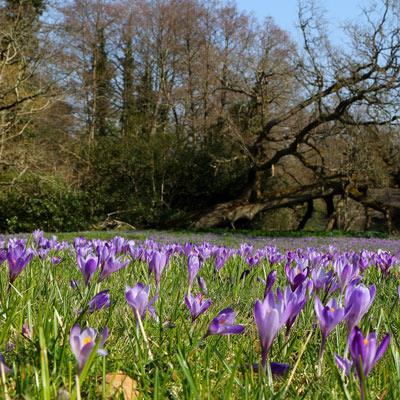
(191, 113)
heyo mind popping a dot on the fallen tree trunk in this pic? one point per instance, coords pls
(378, 198)
(225, 214)
(228, 213)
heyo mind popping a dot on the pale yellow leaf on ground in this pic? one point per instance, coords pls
(119, 383)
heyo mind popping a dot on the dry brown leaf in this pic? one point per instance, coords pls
(118, 382)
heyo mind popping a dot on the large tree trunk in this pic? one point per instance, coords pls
(228, 213)
(307, 215)
(246, 208)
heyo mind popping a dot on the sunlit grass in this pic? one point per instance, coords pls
(183, 365)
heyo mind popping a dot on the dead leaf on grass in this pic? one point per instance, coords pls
(118, 382)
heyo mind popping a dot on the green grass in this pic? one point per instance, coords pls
(183, 365)
(226, 235)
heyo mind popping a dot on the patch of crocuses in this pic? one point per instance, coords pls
(265, 307)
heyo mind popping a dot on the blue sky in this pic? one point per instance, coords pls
(284, 12)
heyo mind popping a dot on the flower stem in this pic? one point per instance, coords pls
(362, 390)
(139, 321)
(266, 368)
(3, 381)
(78, 388)
(270, 380)
(321, 356)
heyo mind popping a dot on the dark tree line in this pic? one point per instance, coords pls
(193, 113)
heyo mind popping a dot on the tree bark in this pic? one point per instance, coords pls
(227, 213)
(307, 215)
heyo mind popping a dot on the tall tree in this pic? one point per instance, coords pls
(128, 106)
(101, 108)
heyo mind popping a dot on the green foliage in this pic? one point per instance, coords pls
(42, 202)
(158, 181)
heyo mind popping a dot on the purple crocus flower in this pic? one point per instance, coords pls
(193, 268)
(323, 280)
(295, 301)
(55, 260)
(187, 248)
(112, 264)
(99, 301)
(150, 307)
(138, 298)
(103, 251)
(79, 242)
(37, 235)
(296, 276)
(245, 250)
(365, 353)
(328, 317)
(224, 324)
(18, 257)
(3, 365)
(82, 343)
(221, 256)
(43, 253)
(385, 261)
(270, 315)
(118, 244)
(274, 256)
(87, 265)
(158, 262)
(346, 272)
(25, 331)
(197, 305)
(271, 278)
(203, 286)
(357, 301)
(277, 369)
(3, 255)
(253, 260)
(363, 259)
(344, 364)
(74, 284)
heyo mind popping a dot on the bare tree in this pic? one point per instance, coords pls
(27, 83)
(359, 86)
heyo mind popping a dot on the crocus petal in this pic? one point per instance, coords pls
(279, 369)
(223, 324)
(232, 330)
(372, 293)
(271, 278)
(7, 370)
(382, 348)
(228, 314)
(104, 335)
(344, 364)
(202, 285)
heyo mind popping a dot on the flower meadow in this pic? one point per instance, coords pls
(201, 321)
